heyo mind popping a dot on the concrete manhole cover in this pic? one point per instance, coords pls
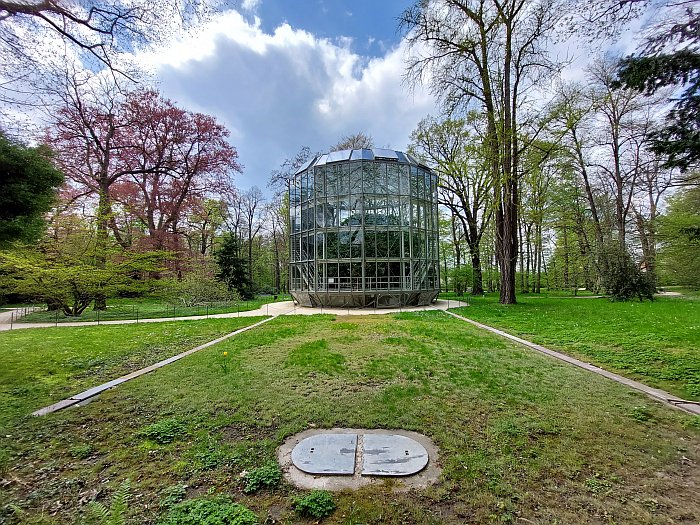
(392, 455)
(326, 454)
(349, 458)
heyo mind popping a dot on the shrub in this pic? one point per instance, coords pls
(624, 280)
(198, 286)
(316, 504)
(267, 476)
(205, 511)
(164, 431)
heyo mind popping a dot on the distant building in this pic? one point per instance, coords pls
(364, 230)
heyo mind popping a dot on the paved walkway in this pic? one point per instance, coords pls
(271, 309)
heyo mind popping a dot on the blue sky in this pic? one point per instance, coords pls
(282, 74)
(372, 25)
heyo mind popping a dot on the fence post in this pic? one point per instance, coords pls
(56, 317)
(207, 311)
(12, 313)
(137, 316)
(98, 318)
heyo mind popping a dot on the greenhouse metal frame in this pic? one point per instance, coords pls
(364, 231)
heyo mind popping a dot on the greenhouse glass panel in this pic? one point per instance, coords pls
(366, 231)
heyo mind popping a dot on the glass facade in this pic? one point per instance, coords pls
(364, 230)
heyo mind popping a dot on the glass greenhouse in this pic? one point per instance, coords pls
(364, 230)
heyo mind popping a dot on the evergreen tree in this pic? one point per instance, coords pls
(671, 57)
(233, 269)
(28, 183)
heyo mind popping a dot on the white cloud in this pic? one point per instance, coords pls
(250, 5)
(281, 90)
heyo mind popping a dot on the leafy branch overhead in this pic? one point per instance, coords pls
(671, 58)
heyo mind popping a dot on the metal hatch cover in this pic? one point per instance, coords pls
(330, 454)
(392, 455)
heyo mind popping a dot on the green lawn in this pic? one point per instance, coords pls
(151, 308)
(522, 438)
(655, 342)
(41, 366)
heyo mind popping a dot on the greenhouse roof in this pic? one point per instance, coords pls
(361, 154)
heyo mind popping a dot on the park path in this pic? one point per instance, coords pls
(270, 309)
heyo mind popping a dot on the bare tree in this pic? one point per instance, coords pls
(357, 140)
(37, 38)
(252, 204)
(485, 54)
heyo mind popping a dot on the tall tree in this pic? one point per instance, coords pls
(253, 202)
(456, 154)
(176, 158)
(485, 54)
(232, 267)
(679, 234)
(28, 189)
(88, 135)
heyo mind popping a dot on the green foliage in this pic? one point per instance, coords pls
(624, 280)
(115, 514)
(233, 268)
(172, 495)
(71, 284)
(198, 287)
(215, 511)
(28, 184)
(679, 232)
(680, 139)
(599, 485)
(316, 504)
(164, 431)
(268, 476)
(81, 451)
(641, 414)
(462, 279)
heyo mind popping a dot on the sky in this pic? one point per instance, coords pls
(282, 74)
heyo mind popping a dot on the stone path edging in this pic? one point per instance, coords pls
(691, 407)
(87, 394)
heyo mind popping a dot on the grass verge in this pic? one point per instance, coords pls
(150, 308)
(522, 438)
(44, 365)
(657, 343)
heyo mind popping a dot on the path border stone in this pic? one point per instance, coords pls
(92, 392)
(690, 407)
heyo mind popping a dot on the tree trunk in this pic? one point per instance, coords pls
(101, 238)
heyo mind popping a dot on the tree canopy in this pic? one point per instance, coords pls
(671, 57)
(28, 186)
